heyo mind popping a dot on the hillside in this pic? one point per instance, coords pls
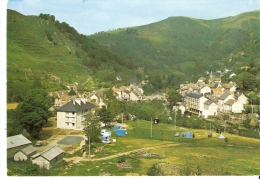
(42, 48)
(181, 49)
(167, 53)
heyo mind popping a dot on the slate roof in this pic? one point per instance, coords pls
(50, 153)
(194, 95)
(213, 98)
(223, 96)
(208, 102)
(28, 150)
(73, 106)
(230, 102)
(17, 140)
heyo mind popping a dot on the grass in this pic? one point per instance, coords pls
(238, 156)
(12, 105)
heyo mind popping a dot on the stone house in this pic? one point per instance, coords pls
(237, 107)
(229, 88)
(117, 92)
(227, 106)
(210, 108)
(217, 89)
(242, 98)
(222, 100)
(205, 90)
(94, 98)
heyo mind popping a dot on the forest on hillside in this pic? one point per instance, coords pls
(41, 50)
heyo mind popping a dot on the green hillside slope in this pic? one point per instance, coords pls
(40, 47)
(183, 48)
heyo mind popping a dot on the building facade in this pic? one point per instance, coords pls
(72, 115)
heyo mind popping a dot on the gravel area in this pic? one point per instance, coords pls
(70, 140)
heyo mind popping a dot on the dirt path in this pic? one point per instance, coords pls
(80, 159)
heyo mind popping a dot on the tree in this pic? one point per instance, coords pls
(33, 111)
(13, 124)
(91, 127)
(246, 81)
(173, 97)
(72, 92)
(109, 94)
(105, 115)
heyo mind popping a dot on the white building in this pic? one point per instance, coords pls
(94, 98)
(237, 107)
(205, 90)
(210, 108)
(195, 103)
(72, 115)
(222, 100)
(242, 99)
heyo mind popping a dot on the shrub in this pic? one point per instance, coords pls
(72, 92)
(152, 171)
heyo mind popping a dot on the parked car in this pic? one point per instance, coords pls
(38, 144)
(177, 134)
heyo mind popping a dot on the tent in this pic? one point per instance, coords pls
(187, 135)
(121, 132)
(116, 127)
(221, 136)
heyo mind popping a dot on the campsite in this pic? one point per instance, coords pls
(161, 153)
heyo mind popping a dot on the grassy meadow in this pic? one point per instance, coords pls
(198, 156)
(11, 105)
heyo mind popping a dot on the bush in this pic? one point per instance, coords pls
(152, 171)
(226, 139)
(72, 92)
(49, 37)
(185, 171)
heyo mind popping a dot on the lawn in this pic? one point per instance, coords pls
(11, 105)
(198, 156)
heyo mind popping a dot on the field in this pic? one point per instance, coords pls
(12, 105)
(169, 155)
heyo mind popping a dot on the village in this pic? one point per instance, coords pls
(202, 99)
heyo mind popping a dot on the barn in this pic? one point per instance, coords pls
(25, 153)
(48, 158)
(16, 143)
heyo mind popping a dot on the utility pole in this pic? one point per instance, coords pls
(225, 125)
(175, 119)
(259, 119)
(123, 115)
(251, 107)
(89, 147)
(151, 128)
